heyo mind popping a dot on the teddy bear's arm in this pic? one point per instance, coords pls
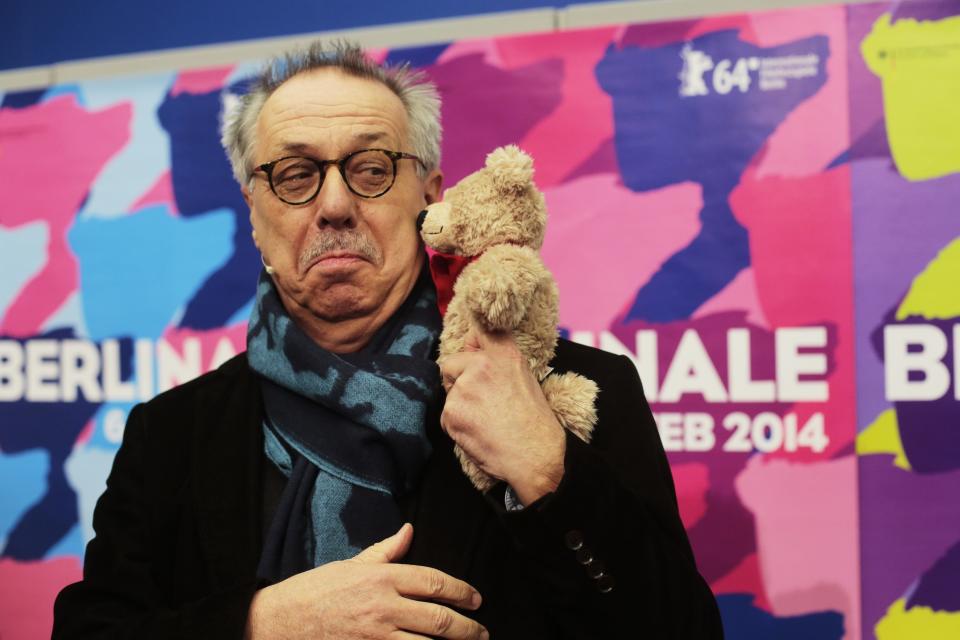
(501, 286)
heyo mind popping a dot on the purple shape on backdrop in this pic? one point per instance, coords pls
(938, 586)
(866, 93)
(603, 160)
(928, 429)
(656, 34)
(485, 107)
(663, 138)
(848, 449)
(873, 143)
(907, 521)
(725, 534)
(924, 10)
(898, 228)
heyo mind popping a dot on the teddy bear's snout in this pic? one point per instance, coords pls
(433, 220)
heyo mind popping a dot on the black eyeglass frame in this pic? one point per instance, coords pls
(267, 168)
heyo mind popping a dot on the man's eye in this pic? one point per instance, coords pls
(289, 176)
(371, 170)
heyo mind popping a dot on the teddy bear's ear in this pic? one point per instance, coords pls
(511, 168)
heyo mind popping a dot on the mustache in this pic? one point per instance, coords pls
(354, 242)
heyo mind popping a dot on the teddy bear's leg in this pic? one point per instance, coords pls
(477, 476)
(456, 324)
(572, 398)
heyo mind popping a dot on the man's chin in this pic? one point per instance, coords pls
(337, 267)
(340, 301)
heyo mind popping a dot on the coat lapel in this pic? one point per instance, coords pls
(450, 514)
(226, 472)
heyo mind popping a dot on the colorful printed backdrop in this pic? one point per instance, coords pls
(759, 209)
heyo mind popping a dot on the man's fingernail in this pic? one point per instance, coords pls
(485, 635)
(476, 600)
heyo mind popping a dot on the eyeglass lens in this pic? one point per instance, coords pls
(368, 173)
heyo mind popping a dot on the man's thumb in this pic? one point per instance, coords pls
(389, 549)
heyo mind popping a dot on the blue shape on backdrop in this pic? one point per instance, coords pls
(203, 181)
(23, 476)
(664, 138)
(24, 249)
(135, 168)
(416, 56)
(53, 428)
(742, 619)
(137, 271)
(21, 99)
(98, 438)
(64, 90)
(840, 160)
(242, 314)
(72, 544)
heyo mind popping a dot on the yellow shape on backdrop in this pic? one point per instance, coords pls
(933, 293)
(883, 436)
(919, 63)
(917, 623)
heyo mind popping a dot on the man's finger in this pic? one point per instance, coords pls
(491, 340)
(389, 549)
(426, 583)
(437, 621)
(471, 341)
(452, 366)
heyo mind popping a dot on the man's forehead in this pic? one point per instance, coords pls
(357, 140)
(328, 101)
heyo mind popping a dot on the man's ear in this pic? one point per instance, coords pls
(433, 186)
(248, 198)
(247, 195)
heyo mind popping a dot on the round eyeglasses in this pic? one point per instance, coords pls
(369, 173)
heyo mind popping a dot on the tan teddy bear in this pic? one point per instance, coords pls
(496, 217)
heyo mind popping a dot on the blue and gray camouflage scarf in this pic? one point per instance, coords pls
(347, 430)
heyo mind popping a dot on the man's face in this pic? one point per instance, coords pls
(340, 256)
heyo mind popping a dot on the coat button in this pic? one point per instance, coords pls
(605, 583)
(584, 556)
(595, 569)
(574, 540)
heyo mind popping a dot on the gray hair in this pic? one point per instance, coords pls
(417, 93)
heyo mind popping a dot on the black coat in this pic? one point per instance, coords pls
(179, 528)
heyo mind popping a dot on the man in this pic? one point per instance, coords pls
(249, 502)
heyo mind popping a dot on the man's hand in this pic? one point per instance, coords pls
(366, 597)
(497, 413)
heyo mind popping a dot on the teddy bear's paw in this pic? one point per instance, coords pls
(478, 478)
(494, 305)
(500, 287)
(498, 315)
(573, 400)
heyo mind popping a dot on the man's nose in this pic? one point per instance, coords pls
(336, 204)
